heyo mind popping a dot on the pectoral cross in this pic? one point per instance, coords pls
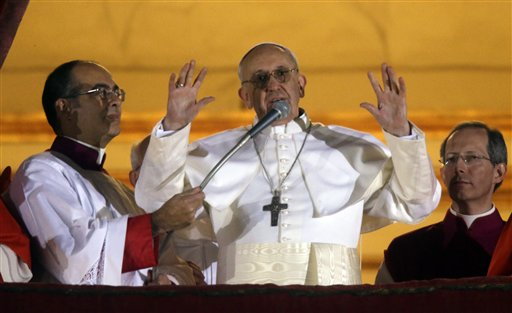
(275, 207)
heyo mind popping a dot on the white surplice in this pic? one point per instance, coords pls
(82, 237)
(344, 182)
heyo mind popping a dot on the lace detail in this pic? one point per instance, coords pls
(95, 274)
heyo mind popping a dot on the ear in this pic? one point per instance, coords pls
(61, 105)
(244, 96)
(63, 108)
(441, 172)
(499, 172)
(302, 85)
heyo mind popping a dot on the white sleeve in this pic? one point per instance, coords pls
(162, 172)
(407, 189)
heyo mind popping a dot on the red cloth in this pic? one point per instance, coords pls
(140, 251)
(501, 262)
(11, 13)
(13, 236)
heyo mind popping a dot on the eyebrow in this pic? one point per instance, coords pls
(464, 152)
(280, 67)
(105, 86)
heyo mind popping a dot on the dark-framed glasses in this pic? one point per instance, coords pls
(260, 80)
(469, 159)
(103, 93)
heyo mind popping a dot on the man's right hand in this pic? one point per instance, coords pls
(177, 212)
(182, 104)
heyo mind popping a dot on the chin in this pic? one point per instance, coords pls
(114, 132)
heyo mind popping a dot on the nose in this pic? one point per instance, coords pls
(113, 102)
(460, 165)
(273, 83)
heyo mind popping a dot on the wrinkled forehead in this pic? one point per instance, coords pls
(265, 57)
(468, 139)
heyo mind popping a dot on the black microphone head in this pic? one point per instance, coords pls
(282, 107)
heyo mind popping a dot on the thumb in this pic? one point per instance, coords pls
(370, 108)
(204, 101)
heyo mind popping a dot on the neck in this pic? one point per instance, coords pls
(472, 207)
(101, 151)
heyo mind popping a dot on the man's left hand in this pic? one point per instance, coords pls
(391, 109)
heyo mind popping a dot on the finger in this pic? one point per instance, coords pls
(192, 191)
(403, 89)
(200, 78)
(385, 77)
(183, 74)
(375, 84)
(204, 101)
(393, 83)
(190, 73)
(370, 108)
(172, 82)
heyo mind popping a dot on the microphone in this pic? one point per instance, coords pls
(280, 110)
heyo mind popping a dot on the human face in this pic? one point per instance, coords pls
(470, 185)
(93, 120)
(269, 58)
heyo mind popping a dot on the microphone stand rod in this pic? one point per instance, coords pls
(219, 164)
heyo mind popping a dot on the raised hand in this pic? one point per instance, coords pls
(391, 109)
(182, 104)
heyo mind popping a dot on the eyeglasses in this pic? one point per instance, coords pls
(469, 159)
(104, 93)
(260, 80)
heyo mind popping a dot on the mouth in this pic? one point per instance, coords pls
(274, 99)
(459, 182)
(114, 117)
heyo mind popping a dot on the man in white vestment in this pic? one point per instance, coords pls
(290, 205)
(201, 252)
(87, 225)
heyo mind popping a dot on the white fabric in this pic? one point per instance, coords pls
(73, 224)
(196, 243)
(343, 183)
(383, 275)
(12, 268)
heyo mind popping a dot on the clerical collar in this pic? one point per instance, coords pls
(469, 219)
(83, 154)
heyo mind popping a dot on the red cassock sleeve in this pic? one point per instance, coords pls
(140, 248)
(13, 236)
(501, 262)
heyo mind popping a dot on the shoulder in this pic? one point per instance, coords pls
(225, 138)
(43, 159)
(337, 136)
(420, 239)
(42, 165)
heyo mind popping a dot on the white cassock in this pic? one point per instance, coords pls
(343, 182)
